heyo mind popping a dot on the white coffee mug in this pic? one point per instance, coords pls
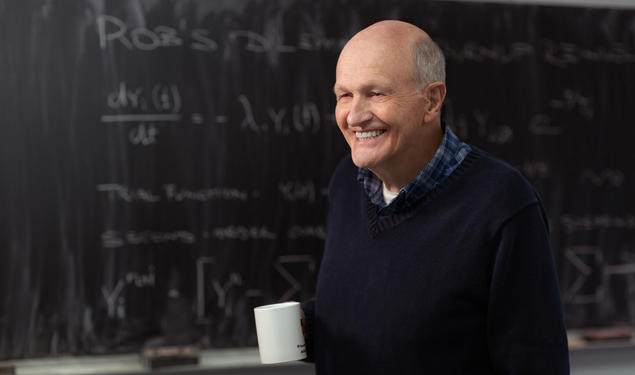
(279, 330)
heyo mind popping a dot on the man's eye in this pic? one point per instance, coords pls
(375, 93)
(343, 96)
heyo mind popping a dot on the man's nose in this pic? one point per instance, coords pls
(359, 112)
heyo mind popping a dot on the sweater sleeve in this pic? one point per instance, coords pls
(525, 324)
(308, 308)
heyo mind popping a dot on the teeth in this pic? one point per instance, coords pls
(368, 135)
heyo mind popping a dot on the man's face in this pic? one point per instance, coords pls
(379, 110)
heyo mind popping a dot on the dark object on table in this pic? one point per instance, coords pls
(170, 356)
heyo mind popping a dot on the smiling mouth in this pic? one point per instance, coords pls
(369, 134)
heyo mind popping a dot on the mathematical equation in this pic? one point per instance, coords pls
(588, 275)
(214, 289)
(145, 109)
(113, 239)
(610, 177)
(481, 123)
(174, 193)
(575, 223)
(289, 190)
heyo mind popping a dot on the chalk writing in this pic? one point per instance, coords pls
(304, 118)
(111, 29)
(202, 41)
(117, 191)
(114, 31)
(573, 100)
(298, 118)
(573, 223)
(620, 269)
(111, 239)
(121, 308)
(298, 190)
(220, 119)
(563, 54)
(472, 51)
(491, 132)
(156, 237)
(115, 301)
(140, 117)
(310, 231)
(239, 232)
(114, 239)
(313, 42)
(164, 98)
(221, 288)
(540, 124)
(171, 193)
(282, 266)
(592, 275)
(259, 43)
(178, 194)
(197, 118)
(626, 272)
(286, 266)
(125, 98)
(534, 168)
(607, 176)
(141, 279)
(143, 134)
(575, 257)
(500, 134)
(221, 291)
(111, 297)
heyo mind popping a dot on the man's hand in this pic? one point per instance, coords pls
(303, 322)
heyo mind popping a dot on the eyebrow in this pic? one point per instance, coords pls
(367, 86)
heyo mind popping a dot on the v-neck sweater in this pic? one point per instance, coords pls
(463, 282)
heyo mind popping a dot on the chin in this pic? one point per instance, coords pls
(361, 162)
(369, 157)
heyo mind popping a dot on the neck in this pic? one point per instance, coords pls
(399, 173)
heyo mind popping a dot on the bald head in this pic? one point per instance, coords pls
(391, 30)
(402, 41)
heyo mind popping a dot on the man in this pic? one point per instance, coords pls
(437, 257)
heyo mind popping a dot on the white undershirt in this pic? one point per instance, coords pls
(388, 195)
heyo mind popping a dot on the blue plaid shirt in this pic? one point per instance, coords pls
(449, 155)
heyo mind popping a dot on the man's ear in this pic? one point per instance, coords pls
(434, 94)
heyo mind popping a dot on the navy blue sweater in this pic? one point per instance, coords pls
(462, 283)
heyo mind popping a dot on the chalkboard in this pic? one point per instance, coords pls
(165, 163)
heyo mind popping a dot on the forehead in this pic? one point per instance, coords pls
(381, 62)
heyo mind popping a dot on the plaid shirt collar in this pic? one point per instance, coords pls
(449, 155)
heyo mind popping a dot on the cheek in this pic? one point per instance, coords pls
(387, 115)
(398, 117)
(340, 117)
